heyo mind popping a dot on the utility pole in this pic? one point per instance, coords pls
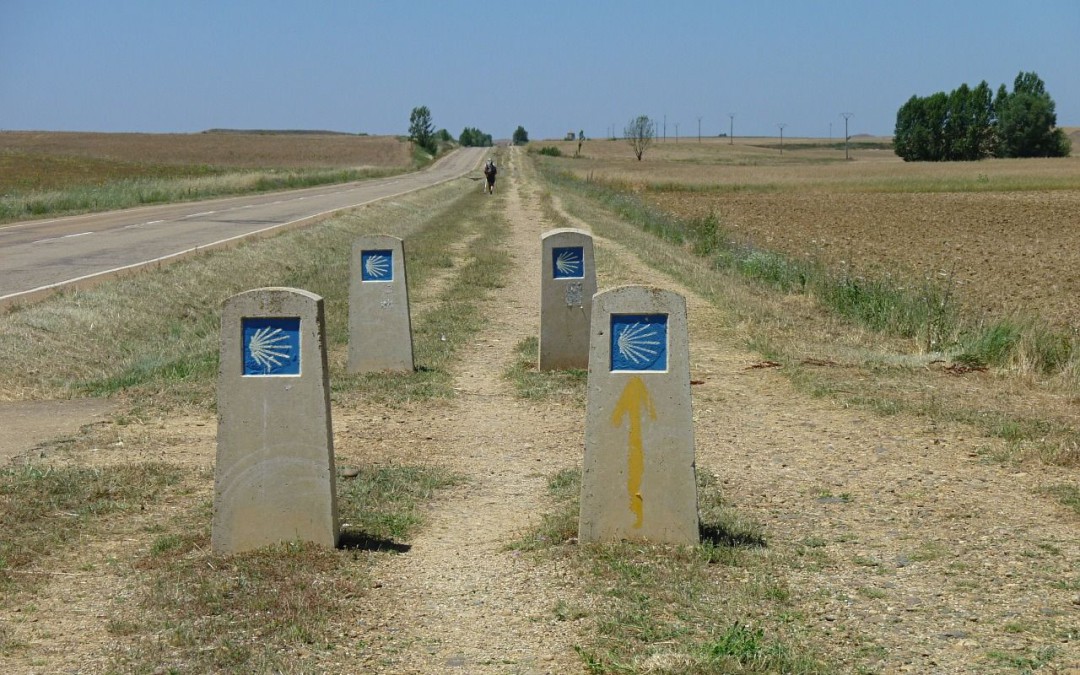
(781, 125)
(846, 117)
(731, 129)
(676, 133)
(699, 128)
(665, 128)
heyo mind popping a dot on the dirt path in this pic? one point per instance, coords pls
(27, 424)
(459, 599)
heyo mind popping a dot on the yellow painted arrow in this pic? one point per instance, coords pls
(633, 402)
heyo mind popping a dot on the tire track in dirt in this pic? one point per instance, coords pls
(458, 599)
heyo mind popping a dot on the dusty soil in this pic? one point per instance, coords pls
(27, 424)
(926, 557)
(974, 240)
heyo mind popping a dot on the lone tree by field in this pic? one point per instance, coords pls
(521, 137)
(421, 129)
(639, 133)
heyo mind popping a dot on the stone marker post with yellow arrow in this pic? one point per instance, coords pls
(638, 480)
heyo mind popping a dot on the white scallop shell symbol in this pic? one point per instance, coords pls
(377, 265)
(266, 347)
(635, 344)
(567, 262)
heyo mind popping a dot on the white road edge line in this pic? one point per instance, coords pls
(145, 263)
(66, 236)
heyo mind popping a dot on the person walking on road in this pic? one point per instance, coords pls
(489, 173)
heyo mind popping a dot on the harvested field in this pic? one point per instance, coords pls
(1006, 252)
(1003, 232)
(58, 173)
(33, 160)
(221, 149)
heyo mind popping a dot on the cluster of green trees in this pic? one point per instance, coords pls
(474, 138)
(521, 137)
(973, 123)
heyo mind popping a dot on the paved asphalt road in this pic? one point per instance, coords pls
(37, 257)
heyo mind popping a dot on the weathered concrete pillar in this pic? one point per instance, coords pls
(638, 480)
(380, 331)
(567, 285)
(274, 478)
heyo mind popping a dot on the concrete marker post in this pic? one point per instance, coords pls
(567, 286)
(638, 479)
(380, 329)
(274, 477)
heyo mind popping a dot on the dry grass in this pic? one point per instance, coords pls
(684, 610)
(120, 336)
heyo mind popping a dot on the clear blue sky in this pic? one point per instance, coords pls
(551, 66)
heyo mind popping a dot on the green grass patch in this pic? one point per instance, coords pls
(530, 383)
(265, 610)
(1027, 661)
(383, 502)
(559, 525)
(1022, 343)
(252, 611)
(663, 609)
(1066, 494)
(45, 508)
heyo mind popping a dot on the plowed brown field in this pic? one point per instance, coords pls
(1004, 233)
(1004, 251)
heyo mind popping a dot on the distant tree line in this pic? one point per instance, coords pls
(474, 138)
(972, 123)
